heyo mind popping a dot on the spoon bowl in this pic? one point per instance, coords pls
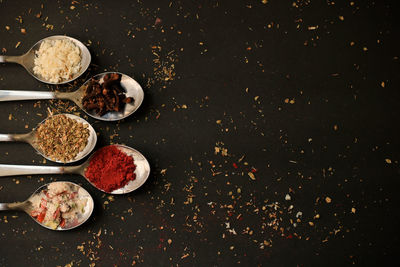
(28, 206)
(32, 139)
(27, 60)
(142, 170)
(132, 89)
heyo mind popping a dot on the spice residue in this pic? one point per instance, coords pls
(110, 169)
(61, 138)
(107, 96)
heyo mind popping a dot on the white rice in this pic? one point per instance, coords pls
(57, 60)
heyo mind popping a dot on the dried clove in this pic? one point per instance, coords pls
(106, 97)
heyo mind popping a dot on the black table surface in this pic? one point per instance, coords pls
(270, 127)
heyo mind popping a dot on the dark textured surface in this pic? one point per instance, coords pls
(303, 94)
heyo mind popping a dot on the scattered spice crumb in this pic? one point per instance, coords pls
(251, 175)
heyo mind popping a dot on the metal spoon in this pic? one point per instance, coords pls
(27, 206)
(31, 139)
(132, 88)
(27, 59)
(142, 170)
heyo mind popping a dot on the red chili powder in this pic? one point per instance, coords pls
(110, 169)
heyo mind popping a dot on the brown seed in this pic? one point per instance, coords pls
(61, 138)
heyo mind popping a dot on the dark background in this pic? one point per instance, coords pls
(303, 94)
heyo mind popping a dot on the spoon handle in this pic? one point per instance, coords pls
(13, 137)
(11, 206)
(10, 95)
(6, 138)
(11, 170)
(4, 206)
(13, 59)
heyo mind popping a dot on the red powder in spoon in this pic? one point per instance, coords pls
(110, 169)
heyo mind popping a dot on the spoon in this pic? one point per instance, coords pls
(132, 88)
(31, 139)
(28, 206)
(142, 170)
(27, 59)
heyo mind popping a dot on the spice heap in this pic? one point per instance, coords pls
(58, 205)
(105, 97)
(61, 138)
(110, 169)
(57, 60)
